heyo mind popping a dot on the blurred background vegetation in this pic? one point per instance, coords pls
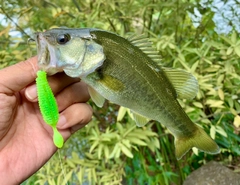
(111, 149)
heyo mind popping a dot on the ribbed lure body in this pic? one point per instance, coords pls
(48, 106)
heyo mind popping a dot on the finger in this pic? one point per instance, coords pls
(15, 78)
(75, 93)
(57, 83)
(75, 117)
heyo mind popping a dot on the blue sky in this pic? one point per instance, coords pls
(13, 31)
(2, 21)
(226, 15)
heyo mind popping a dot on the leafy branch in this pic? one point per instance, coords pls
(16, 24)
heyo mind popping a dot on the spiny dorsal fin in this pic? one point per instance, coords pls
(185, 84)
(97, 98)
(143, 43)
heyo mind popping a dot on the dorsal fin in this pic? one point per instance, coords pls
(143, 43)
(185, 84)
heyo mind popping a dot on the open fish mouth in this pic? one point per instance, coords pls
(47, 60)
(73, 52)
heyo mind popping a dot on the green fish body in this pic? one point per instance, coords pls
(125, 72)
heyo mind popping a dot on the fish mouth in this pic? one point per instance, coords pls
(47, 60)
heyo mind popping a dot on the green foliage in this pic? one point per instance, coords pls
(103, 156)
(111, 149)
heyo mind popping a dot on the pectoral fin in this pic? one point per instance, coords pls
(139, 119)
(97, 98)
(185, 83)
(111, 83)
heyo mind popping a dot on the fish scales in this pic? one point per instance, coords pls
(121, 71)
(157, 89)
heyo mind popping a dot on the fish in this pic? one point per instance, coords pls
(126, 72)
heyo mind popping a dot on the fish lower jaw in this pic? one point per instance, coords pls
(50, 70)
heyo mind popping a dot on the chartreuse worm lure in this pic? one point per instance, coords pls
(48, 106)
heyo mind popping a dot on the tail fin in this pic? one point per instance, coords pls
(200, 140)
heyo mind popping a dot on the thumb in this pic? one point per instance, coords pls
(15, 78)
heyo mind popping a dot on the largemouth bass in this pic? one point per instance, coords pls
(126, 72)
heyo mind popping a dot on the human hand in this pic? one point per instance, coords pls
(25, 140)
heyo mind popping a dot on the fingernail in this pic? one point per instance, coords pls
(62, 121)
(31, 92)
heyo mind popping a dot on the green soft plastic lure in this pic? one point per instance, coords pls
(48, 106)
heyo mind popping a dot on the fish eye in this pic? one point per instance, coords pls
(63, 38)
